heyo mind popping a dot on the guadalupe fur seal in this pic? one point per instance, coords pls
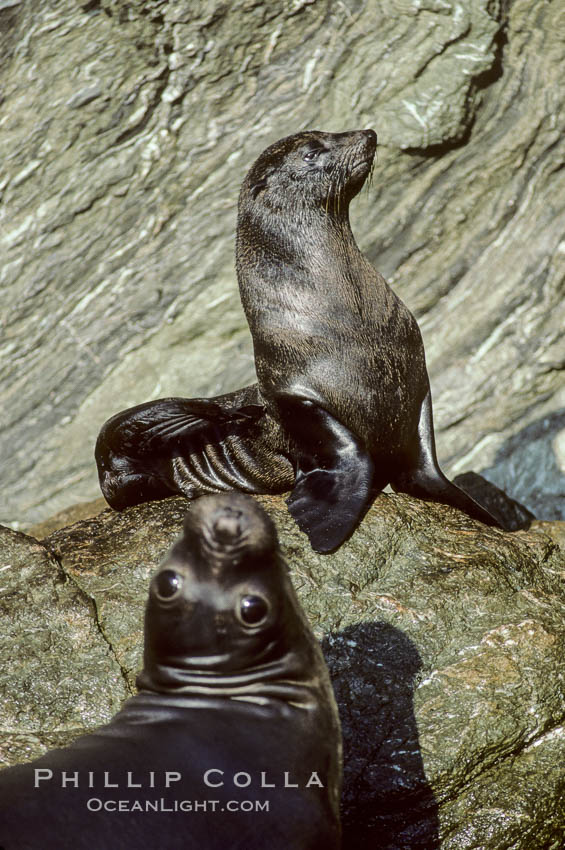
(233, 740)
(342, 406)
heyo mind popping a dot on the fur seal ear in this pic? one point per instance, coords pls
(258, 186)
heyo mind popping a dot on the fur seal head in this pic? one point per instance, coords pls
(313, 169)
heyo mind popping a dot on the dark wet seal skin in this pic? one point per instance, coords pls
(235, 709)
(342, 406)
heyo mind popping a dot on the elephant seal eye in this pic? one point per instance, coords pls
(253, 610)
(168, 585)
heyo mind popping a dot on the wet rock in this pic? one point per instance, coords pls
(445, 641)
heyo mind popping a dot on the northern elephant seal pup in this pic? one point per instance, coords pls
(233, 740)
(342, 407)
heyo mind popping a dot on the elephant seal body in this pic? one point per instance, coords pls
(343, 404)
(233, 740)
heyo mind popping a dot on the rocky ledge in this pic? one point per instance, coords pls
(444, 639)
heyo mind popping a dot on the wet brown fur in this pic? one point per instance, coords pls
(325, 323)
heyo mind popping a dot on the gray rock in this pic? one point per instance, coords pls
(99, 553)
(444, 639)
(58, 673)
(532, 461)
(118, 215)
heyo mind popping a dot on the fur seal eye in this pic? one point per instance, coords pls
(168, 585)
(253, 610)
(312, 154)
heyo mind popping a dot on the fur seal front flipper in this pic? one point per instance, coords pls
(334, 473)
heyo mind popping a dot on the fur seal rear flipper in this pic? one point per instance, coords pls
(424, 479)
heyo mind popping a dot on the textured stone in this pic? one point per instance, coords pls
(444, 638)
(68, 516)
(100, 553)
(118, 185)
(58, 674)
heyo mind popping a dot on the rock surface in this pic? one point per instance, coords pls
(445, 640)
(120, 169)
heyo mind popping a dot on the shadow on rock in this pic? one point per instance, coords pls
(387, 802)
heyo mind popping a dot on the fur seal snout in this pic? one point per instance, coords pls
(343, 404)
(233, 696)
